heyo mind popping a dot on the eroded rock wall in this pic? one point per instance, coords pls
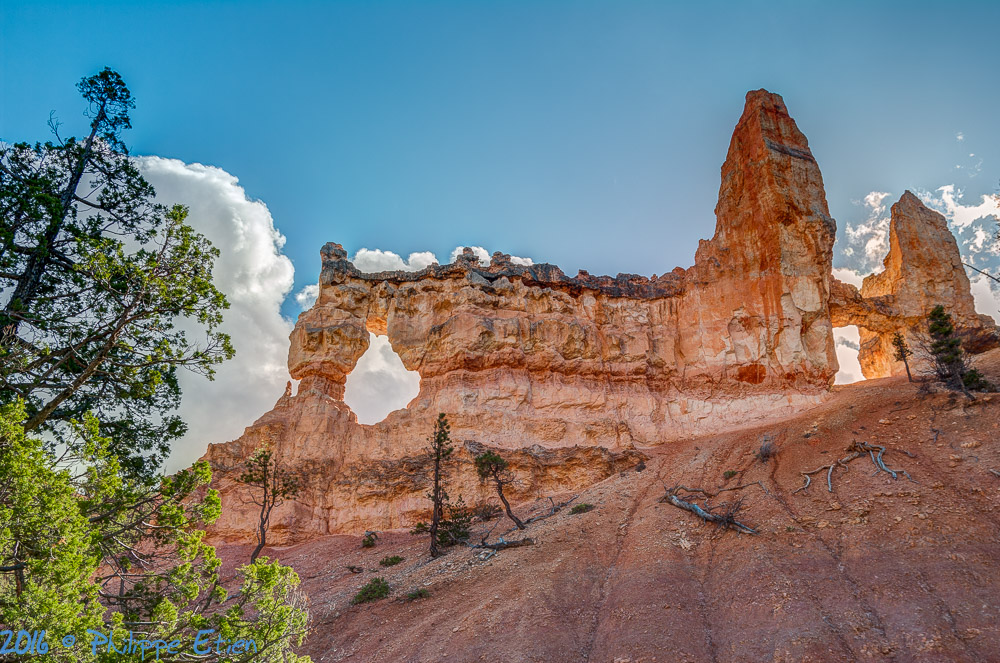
(568, 376)
(922, 269)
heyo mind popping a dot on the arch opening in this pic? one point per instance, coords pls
(379, 383)
(848, 344)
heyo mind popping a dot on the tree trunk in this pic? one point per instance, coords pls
(31, 278)
(506, 505)
(436, 518)
(907, 365)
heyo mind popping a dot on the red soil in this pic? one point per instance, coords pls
(877, 570)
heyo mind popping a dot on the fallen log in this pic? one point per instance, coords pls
(725, 520)
(503, 545)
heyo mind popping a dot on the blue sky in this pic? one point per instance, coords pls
(586, 134)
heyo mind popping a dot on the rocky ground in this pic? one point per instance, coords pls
(879, 569)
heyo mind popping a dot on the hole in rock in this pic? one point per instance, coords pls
(379, 383)
(848, 340)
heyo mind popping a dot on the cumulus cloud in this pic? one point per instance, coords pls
(306, 297)
(869, 240)
(379, 383)
(377, 260)
(484, 256)
(959, 136)
(948, 200)
(256, 278)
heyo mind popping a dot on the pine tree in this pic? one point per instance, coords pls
(946, 349)
(490, 465)
(269, 487)
(440, 449)
(903, 352)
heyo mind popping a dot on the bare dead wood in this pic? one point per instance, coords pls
(504, 545)
(726, 519)
(995, 473)
(856, 450)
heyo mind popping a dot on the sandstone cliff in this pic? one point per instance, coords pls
(568, 375)
(922, 269)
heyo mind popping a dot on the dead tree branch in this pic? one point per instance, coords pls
(723, 515)
(854, 451)
(503, 545)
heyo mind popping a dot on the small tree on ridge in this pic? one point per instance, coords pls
(903, 351)
(491, 465)
(269, 487)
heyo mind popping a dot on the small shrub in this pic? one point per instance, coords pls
(583, 507)
(729, 474)
(373, 591)
(455, 529)
(369, 540)
(976, 381)
(417, 594)
(355, 569)
(392, 560)
(420, 528)
(768, 449)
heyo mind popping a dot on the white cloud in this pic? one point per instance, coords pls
(306, 297)
(872, 235)
(985, 297)
(484, 256)
(379, 383)
(845, 275)
(949, 203)
(847, 341)
(959, 136)
(256, 278)
(376, 260)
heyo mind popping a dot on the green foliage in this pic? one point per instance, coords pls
(101, 549)
(375, 589)
(489, 464)
(96, 278)
(420, 528)
(456, 528)
(269, 487)
(950, 364)
(729, 474)
(42, 528)
(391, 560)
(902, 350)
(976, 381)
(369, 539)
(416, 594)
(582, 507)
(440, 451)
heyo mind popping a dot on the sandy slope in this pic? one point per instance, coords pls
(879, 569)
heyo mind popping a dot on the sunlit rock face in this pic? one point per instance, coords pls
(565, 376)
(922, 270)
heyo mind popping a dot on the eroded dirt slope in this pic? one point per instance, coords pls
(877, 570)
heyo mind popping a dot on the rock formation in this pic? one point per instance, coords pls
(922, 269)
(566, 376)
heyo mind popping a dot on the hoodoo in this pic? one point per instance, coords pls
(569, 375)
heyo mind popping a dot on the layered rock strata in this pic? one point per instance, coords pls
(567, 376)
